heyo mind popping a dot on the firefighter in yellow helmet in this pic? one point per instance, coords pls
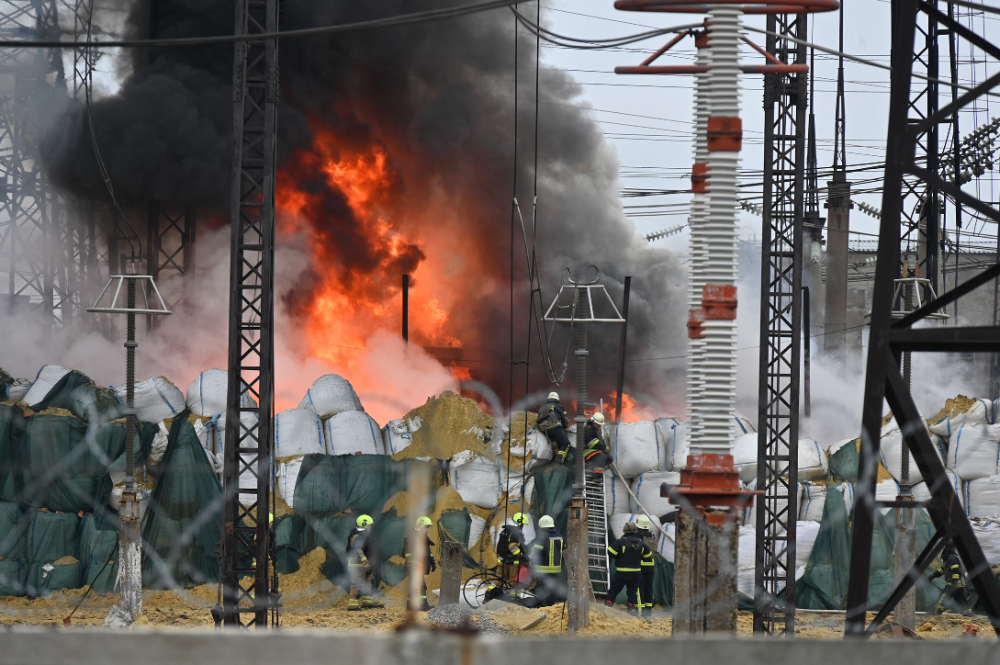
(546, 562)
(646, 590)
(512, 555)
(359, 568)
(421, 530)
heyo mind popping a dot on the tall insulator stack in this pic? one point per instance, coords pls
(717, 270)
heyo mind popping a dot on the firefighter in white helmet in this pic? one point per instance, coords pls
(553, 421)
(596, 452)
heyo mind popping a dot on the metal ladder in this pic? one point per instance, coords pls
(597, 533)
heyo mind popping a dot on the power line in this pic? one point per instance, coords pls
(405, 19)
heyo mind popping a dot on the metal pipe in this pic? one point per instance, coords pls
(806, 341)
(621, 351)
(406, 308)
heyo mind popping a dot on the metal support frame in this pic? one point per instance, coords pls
(249, 452)
(170, 239)
(780, 332)
(32, 217)
(890, 339)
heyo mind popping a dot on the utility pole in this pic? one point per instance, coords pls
(249, 452)
(582, 296)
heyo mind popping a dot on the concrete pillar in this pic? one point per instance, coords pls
(705, 568)
(905, 551)
(580, 591)
(451, 572)
(838, 225)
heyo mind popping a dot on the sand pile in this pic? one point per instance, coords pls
(953, 407)
(513, 452)
(450, 424)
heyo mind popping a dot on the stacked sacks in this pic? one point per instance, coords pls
(52, 562)
(13, 569)
(297, 432)
(330, 395)
(750, 513)
(398, 434)
(982, 498)
(156, 399)
(516, 442)
(477, 479)
(99, 553)
(891, 451)
(48, 376)
(646, 487)
(616, 496)
(637, 448)
(974, 451)
(672, 432)
(353, 433)
(961, 411)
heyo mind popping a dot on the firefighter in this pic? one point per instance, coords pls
(646, 590)
(596, 452)
(512, 555)
(546, 562)
(553, 421)
(628, 553)
(951, 569)
(421, 530)
(359, 567)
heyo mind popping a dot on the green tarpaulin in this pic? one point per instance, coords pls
(13, 531)
(99, 553)
(182, 527)
(52, 536)
(552, 495)
(844, 463)
(13, 456)
(60, 395)
(13, 573)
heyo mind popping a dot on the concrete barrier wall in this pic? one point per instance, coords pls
(176, 647)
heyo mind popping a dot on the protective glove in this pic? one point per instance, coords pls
(434, 566)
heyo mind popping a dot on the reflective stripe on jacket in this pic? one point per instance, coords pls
(547, 552)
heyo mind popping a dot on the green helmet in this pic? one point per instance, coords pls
(520, 519)
(642, 522)
(364, 521)
(424, 522)
(546, 522)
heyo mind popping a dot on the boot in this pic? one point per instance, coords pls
(368, 603)
(353, 605)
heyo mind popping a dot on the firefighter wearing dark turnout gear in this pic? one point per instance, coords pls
(629, 553)
(513, 555)
(546, 562)
(648, 566)
(358, 567)
(951, 570)
(596, 452)
(553, 421)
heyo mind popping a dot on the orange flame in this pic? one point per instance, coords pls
(632, 411)
(341, 201)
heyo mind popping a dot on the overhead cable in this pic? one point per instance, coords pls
(404, 19)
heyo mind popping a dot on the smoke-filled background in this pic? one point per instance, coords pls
(397, 156)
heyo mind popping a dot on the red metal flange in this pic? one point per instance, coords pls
(696, 324)
(699, 178)
(710, 489)
(751, 7)
(718, 301)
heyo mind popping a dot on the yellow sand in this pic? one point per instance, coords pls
(953, 407)
(451, 424)
(65, 561)
(519, 428)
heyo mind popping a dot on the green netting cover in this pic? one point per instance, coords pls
(824, 584)
(663, 581)
(182, 527)
(13, 531)
(291, 543)
(331, 535)
(331, 484)
(45, 578)
(52, 536)
(552, 495)
(87, 402)
(60, 395)
(13, 455)
(99, 552)
(844, 463)
(389, 533)
(66, 459)
(13, 573)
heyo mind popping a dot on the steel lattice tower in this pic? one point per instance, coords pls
(32, 218)
(249, 439)
(780, 331)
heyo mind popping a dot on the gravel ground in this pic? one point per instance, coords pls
(457, 616)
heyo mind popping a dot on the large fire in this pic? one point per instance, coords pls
(343, 202)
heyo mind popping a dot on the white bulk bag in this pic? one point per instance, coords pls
(982, 497)
(636, 448)
(921, 492)
(249, 482)
(671, 431)
(209, 435)
(352, 433)
(298, 433)
(746, 560)
(813, 500)
(398, 434)
(988, 535)
(973, 451)
(476, 529)
(891, 452)
(813, 463)
(646, 488)
(745, 456)
(48, 376)
(510, 483)
(741, 426)
(329, 395)
(286, 477)
(981, 411)
(16, 391)
(207, 395)
(156, 399)
(478, 481)
(616, 521)
(248, 422)
(887, 490)
(805, 538)
(616, 498)
(666, 540)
